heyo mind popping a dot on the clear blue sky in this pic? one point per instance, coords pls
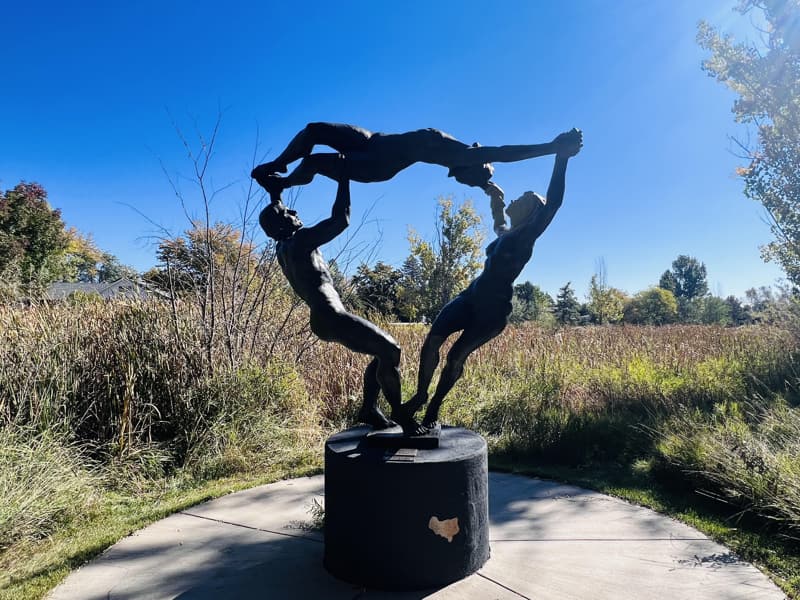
(87, 88)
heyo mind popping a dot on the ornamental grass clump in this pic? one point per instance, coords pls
(745, 454)
(263, 420)
(44, 482)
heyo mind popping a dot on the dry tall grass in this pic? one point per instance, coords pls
(137, 387)
(529, 376)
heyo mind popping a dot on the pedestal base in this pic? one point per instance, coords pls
(406, 518)
(394, 438)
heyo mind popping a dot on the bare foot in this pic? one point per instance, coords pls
(431, 419)
(420, 430)
(267, 168)
(274, 184)
(375, 418)
(425, 429)
(408, 423)
(432, 426)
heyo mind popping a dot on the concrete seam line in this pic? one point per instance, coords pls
(505, 587)
(670, 539)
(291, 535)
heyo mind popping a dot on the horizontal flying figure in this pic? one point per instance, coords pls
(373, 157)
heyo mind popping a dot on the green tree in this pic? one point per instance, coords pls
(530, 303)
(33, 240)
(773, 306)
(690, 277)
(435, 272)
(761, 300)
(715, 311)
(688, 281)
(740, 314)
(567, 308)
(656, 306)
(110, 269)
(377, 288)
(606, 304)
(80, 258)
(85, 262)
(766, 78)
(189, 262)
(668, 282)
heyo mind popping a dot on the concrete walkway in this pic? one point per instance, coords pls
(548, 541)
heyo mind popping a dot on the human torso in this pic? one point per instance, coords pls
(308, 274)
(386, 154)
(493, 289)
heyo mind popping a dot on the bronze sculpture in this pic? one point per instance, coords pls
(375, 477)
(373, 157)
(297, 249)
(481, 311)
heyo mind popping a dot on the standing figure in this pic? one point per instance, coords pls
(298, 254)
(481, 311)
(375, 157)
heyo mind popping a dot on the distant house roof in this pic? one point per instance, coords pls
(121, 288)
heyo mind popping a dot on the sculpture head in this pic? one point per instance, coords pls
(524, 208)
(473, 175)
(279, 222)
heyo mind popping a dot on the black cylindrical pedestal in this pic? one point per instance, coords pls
(406, 519)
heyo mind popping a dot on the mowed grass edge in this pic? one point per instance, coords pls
(32, 569)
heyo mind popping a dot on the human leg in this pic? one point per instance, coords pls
(342, 138)
(370, 413)
(471, 339)
(327, 164)
(453, 317)
(359, 335)
(428, 361)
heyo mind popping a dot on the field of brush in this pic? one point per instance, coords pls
(112, 408)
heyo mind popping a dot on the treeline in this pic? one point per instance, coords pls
(434, 272)
(681, 296)
(37, 248)
(380, 289)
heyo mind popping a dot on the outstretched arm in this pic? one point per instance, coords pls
(555, 191)
(324, 231)
(476, 155)
(540, 220)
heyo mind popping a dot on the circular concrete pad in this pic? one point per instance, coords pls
(548, 540)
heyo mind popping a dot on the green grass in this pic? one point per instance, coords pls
(640, 483)
(745, 453)
(32, 568)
